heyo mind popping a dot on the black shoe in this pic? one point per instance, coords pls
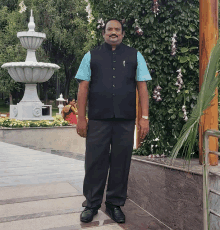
(115, 213)
(87, 214)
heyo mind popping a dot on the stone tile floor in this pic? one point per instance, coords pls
(42, 190)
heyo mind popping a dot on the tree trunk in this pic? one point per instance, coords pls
(16, 97)
(67, 87)
(58, 87)
(10, 99)
(45, 86)
(75, 88)
(69, 75)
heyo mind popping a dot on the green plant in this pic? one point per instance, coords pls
(189, 132)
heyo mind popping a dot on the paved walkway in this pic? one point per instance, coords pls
(43, 191)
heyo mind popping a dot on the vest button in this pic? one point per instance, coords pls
(113, 85)
(113, 68)
(114, 53)
(113, 94)
(113, 76)
(114, 61)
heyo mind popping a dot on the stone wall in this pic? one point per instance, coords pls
(57, 138)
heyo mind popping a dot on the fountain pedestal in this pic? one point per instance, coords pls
(30, 107)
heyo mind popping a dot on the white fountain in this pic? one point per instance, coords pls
(31, 72)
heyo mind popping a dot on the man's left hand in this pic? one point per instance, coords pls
(143, 127)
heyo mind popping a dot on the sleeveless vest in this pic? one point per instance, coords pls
(112, 89)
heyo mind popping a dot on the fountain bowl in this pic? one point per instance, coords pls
(31, 40)
(30, 72)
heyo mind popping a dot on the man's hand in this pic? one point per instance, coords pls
(143, 127)
(81, 127)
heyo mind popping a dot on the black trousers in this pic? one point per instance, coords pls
(101, 134)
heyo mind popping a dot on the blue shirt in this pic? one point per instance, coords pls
(84, 71)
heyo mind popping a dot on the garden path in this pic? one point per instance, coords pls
(43, 191)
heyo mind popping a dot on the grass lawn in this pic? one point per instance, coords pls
(54, 111)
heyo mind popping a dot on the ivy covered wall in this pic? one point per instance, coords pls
(166, 32)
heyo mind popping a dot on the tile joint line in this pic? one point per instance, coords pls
(150, 214)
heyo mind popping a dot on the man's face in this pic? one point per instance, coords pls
(113, 33)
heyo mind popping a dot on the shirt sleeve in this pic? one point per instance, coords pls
(84, 71)
(142, 70)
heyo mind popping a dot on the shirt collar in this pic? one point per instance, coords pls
(109, 47)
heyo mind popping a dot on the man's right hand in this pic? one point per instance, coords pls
(81, 127)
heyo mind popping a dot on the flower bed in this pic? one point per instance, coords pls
(13, 123)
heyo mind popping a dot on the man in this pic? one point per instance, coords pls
(109, 75)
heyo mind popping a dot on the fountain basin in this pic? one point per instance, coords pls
(31, 40)
(30, 72)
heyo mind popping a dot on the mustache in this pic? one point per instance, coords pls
(113, 35)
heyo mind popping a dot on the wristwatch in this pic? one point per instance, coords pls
(145, 117)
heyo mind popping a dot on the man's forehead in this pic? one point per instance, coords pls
(113, 24)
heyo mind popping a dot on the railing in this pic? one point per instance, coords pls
(206, 190)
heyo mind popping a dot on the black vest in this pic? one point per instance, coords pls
(112, 89)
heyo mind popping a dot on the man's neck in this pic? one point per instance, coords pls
(113, 47)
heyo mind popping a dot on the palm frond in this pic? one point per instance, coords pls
(189, 131)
